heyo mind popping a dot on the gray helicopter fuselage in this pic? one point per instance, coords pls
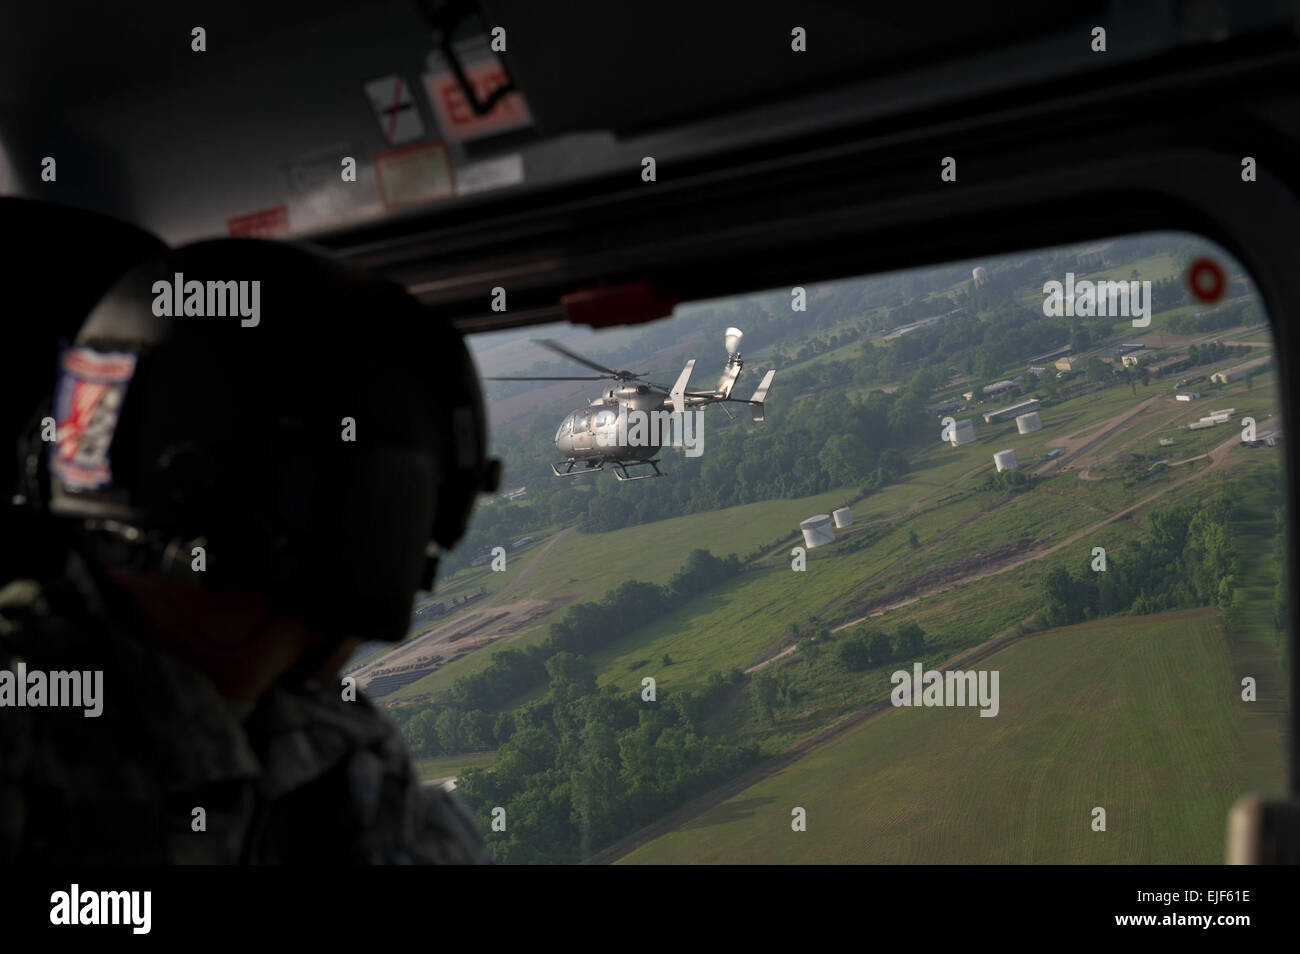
(590, 433)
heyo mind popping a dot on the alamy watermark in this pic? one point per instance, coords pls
(950, 688)
(21, 688)
(74, 907)
(633, 428)
(1087, 299)
(208, 299)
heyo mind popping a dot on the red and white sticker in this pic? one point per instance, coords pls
(419, 173)
(394, 106)
(267, 223)
(87, 402)
(457, 119)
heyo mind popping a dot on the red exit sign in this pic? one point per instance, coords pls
(455, 115)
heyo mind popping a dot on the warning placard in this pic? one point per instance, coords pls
(267, 223)
(394, 106)
(456, 118)
(416, 173)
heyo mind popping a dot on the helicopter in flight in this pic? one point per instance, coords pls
(598, 435)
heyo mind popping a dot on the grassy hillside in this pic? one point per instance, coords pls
(587, 565)
(745, 621)
(1140, 716)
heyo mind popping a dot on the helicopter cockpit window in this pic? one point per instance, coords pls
(604, 417)
(1078, 491)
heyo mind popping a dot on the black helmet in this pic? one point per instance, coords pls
(67, 259)
(313, 429)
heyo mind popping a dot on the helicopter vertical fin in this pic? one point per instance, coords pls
(756, 402)
(678, 394)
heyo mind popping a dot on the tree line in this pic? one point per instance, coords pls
(462, 721)
(586, 765)
(1184, 559)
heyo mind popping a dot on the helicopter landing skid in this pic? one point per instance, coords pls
(620, 469)
(590, 467)
(576, 468)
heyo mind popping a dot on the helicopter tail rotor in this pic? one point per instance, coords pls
(760, 395)
(678, 393)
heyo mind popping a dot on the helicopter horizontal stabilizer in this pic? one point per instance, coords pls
(756, 402)
(678, 394)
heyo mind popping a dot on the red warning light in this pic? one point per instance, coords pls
(1206, 279)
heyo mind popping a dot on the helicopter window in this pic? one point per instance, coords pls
(604, 417)
(984, 457)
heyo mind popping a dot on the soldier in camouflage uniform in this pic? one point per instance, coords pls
(298, 776)
(218, 698)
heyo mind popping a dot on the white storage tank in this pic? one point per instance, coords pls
(1028, 423)
(963, 432)
(843, 517)
(817, 530)
(1005, 460)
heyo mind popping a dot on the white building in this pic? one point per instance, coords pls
(817, 530)
(963, 432)
(1228, 375)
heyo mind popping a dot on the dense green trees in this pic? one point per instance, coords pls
(1004, 481)
(880, 648)
(853, 652)
(596, 763)
(460, 722)
(911, 640)
(1185, 559)
(1213, 352)
(866, 648)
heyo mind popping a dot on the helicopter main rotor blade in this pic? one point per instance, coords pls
(594, 377)
(560, 349)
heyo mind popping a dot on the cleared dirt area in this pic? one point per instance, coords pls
(1081, 449)
(425, 654)
(488, 622)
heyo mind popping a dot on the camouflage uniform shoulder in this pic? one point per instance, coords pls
(306, 777)
(311, 740)
(101, 775)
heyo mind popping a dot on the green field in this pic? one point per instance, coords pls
(1152, 268)
(587, 566)
(1138, 715)
(744, 622)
